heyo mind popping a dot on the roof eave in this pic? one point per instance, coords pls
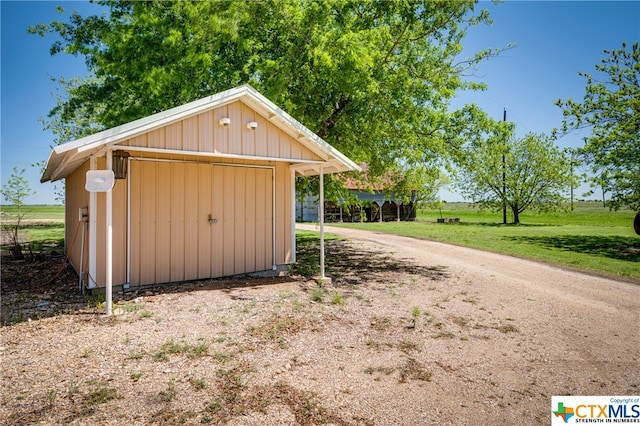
(63, 155)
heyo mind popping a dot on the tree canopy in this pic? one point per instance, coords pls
(373, 78)
(611, 109)
(524, 173)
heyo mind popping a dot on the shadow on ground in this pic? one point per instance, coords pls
(622, 248)
(347, 264)
(48, 286)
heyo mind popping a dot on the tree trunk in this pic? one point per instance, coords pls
(516, 215)
(15, 248)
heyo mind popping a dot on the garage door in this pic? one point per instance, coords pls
(193, 221)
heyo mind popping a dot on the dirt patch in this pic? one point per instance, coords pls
(405, 335)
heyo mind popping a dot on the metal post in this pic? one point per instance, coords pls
(93, 231)
(321, 223)
(504, 179)
(571, 167)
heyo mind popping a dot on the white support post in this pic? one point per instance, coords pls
(109, 248)
(274, 246)
(93, 230)
(321, 215)
(293, 216)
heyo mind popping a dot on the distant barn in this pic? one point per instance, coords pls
(374, 202)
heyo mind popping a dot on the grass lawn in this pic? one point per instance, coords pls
(39, 212)
(592, 238)
(43, 226)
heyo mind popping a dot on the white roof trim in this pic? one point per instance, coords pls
(63, 155)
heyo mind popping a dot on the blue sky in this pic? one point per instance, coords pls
(554, 40)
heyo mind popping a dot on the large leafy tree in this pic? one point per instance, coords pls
(373, 78)
(611, 109)
(523, 173)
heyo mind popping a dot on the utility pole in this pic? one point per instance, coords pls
(504, 178)
(571, 168)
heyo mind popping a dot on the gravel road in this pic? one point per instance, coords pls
(583, 331)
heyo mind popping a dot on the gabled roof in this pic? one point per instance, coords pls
(66, 158)
(364, 182)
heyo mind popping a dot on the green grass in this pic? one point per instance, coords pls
(591, 238)
(43, 225)
(37, 212)
(308, 263)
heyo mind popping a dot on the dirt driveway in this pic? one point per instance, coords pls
(582, 331)
(410, 332)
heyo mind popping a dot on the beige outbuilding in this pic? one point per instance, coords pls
(203, 190)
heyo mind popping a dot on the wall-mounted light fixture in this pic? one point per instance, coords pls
(225, 121)
(119, 164)
(252, 125)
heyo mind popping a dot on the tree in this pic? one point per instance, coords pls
(373, 78)
(574, 172)
(536, 172)
(611, 109)
(14, 192)
(419, 184)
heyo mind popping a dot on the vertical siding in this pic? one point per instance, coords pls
(204, 228)
(283, 214)
(149, 219)
(286, 195)
(248, 135)
(75, 198)
(262, 218)
(186, 246)
(156, 139)
(250, 237)
(206, 131)
(162, 226)
(261, 148)
(281, 223)
(229, 220)
(192, 190)
(285, 142)
(236, 128)
(178, 235)
(269, 218)
(295, 149)
(218, 209)
(142, 140)
(190, 134)
(135, 174)
(120, 231)
(173, 136)
(240, 211)
(203, 133)
(220, 133)
(273, 141)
